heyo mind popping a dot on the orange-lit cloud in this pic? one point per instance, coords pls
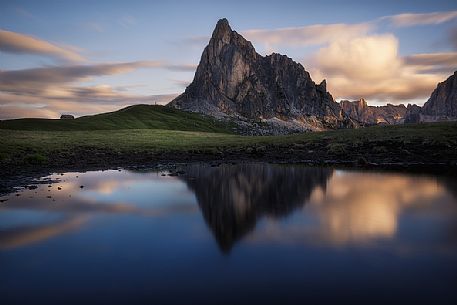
(369, 57)
(307, 35)
(370, 66)
(17, 43)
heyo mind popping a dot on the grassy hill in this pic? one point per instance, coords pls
(132, 117)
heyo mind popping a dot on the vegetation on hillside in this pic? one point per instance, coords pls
(422, 143)
(132, 117)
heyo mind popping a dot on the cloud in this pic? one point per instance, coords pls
(409, 19)
(74, 100)
(307, 35)
(433, 62)
(181, 68)
(32, 81)
(17, 43)
(371, 67)
(369, 57)
(449, 58)
(50, 91)
(321, 34)
(21, 111)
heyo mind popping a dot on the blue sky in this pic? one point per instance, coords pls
(363, 48)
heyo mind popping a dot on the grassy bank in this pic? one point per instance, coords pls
(423, 143)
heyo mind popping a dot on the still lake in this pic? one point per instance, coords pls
(228, 234)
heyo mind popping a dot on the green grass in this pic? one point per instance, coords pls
(37, 147)
(132, 117)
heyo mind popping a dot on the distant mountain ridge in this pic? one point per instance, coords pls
(365, 115)
(441, 106)
(233, 80)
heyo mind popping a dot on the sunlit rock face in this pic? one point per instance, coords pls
(232, 198)
(366, 115)
(441, 106)
(232, 79)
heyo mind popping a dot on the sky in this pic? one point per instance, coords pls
(86, 57)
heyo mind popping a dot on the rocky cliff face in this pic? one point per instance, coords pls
(441, 106)
(443, 101)
(366, 115)
(233, 80)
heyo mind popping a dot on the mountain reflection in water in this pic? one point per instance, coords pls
(228, 234)
(232, 198)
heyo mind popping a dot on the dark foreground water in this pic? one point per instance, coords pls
(231, 234)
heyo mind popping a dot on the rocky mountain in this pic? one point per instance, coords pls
(365, 115)
(234, 81)
(441, 106)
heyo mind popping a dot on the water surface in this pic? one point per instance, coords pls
(230, 234)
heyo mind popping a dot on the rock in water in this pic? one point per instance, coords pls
(234, 81)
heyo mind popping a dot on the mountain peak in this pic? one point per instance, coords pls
(222, 28)
(232, 79)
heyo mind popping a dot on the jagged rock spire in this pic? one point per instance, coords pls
(233, 79)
